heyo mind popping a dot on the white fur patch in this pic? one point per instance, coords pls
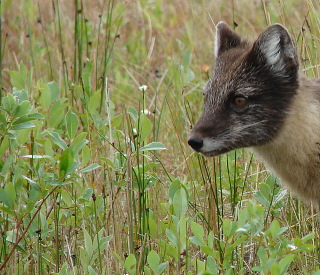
(216, 43)
(217, 40)
(271, 50)
(276, 44)
(211, 145)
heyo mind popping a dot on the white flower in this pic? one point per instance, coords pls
(292, 247)
(146, 112)
(241, 229)
(134, 131)
(143, 88)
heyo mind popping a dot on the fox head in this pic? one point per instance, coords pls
(249, 94)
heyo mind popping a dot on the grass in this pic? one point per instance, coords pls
(86, 186)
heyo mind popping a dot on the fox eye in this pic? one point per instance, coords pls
(239, 100)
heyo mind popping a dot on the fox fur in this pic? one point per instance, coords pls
(258, 98)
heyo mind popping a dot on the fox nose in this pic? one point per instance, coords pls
(196, 143)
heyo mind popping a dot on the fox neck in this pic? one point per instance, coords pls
(294, 154)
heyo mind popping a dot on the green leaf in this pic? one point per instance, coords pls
(265, 190)
(189, 76)
(143, 126)
(239, 241)
(4, 145)
(260, 198)
(66, 197)
(280, 196)
(229, 228)
(308, 237)
(180, 202)
(23, 125)
(161, 268)
(35, 116)
(198, 231)
(84, 257)
(130, 264)
(56, 114)
(116, 122)
(5, 209)
(3, 122)
(23, 108)
(66, 163)
(55, 137)
(20, 95)
(63, 270)
(171, 250)
(275, 269)
(196, 240)
(207, 250)
(153, 146)
(78, 143)
(91, 271)
(8, 195)
(187, 58)
(87, 242)
(172, 237)
(28, 117)
(201, 267)
(263, 256)
(133, 113)
(72, 123)
(9, 104)
(182, 231)
(87, 71)
(89, 168)
(175, 185)
(211, 240)
(285, 262)
(55, 91)
(94, 102)
(85, 155)
(53, 181)
(45, 96)
(281, 231)
(213, 266)
(18, 79)
(152, 226)
(21, 120)
(274, 228)
(153, 260)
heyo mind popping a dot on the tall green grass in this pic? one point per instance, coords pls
(96, 176)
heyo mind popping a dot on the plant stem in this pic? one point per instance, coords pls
(3, 265)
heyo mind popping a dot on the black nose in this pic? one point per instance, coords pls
(196, 143)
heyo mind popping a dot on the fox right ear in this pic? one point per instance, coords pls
(225, 38)
(277, 49)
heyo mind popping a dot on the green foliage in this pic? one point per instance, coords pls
(270, 195)
(154, 262)
(96, 176)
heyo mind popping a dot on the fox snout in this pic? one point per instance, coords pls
(195, 143)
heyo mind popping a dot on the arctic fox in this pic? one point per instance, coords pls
(257, 98)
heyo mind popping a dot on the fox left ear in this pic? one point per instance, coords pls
(225, 39)
(277, 49)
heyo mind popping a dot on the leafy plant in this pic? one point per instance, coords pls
(96, 176)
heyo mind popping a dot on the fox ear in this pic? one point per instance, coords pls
(275, 48)
(225, 39)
